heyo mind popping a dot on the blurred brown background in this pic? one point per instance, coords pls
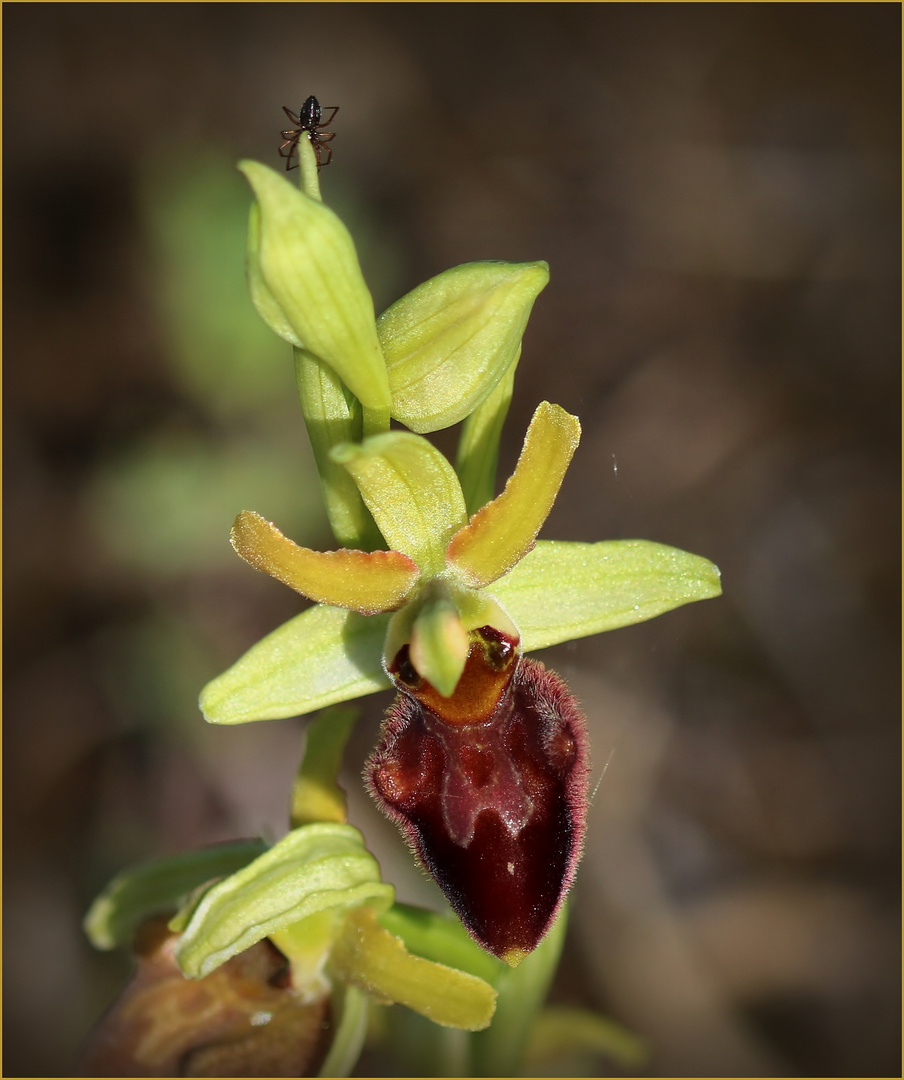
(716, 188)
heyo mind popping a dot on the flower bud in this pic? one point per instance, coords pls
(448, 342)
(307, 284)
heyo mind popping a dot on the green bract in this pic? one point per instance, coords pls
(451, 340)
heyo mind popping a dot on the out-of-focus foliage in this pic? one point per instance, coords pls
(160, 504)
(195, 205)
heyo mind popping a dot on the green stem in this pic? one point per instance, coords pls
(309, 178)
(500, 1050)
(454, 1052)
(316, 795)
(332, 415)
(376, 421)
(478, 446)
(351, 1005)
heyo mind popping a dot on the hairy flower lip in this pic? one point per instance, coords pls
(495, 813)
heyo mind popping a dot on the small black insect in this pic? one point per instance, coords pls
(310, 119)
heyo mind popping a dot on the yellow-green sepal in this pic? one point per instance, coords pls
(305, 259)
(505, 530)
(314, 869)
(441, 938)
(449, 341)
(321, 657)
(564, 590)
(412, 492)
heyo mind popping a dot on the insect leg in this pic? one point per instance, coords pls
(292, 144)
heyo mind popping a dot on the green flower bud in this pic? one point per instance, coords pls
(315, 868)
(448, 342)
(308, 287)
(160, 886)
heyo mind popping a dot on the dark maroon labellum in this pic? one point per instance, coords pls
(489, 787)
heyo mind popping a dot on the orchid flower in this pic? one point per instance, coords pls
(468, 761)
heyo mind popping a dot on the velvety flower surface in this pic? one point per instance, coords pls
(490, 790)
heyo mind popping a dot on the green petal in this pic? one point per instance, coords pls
(449, 341)
(321, 657)
(505, 530)
(307, 262)
(158, 888)
(313, 869)
(565, 590)
(369, 956)
(412, 492)
(364, 581)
